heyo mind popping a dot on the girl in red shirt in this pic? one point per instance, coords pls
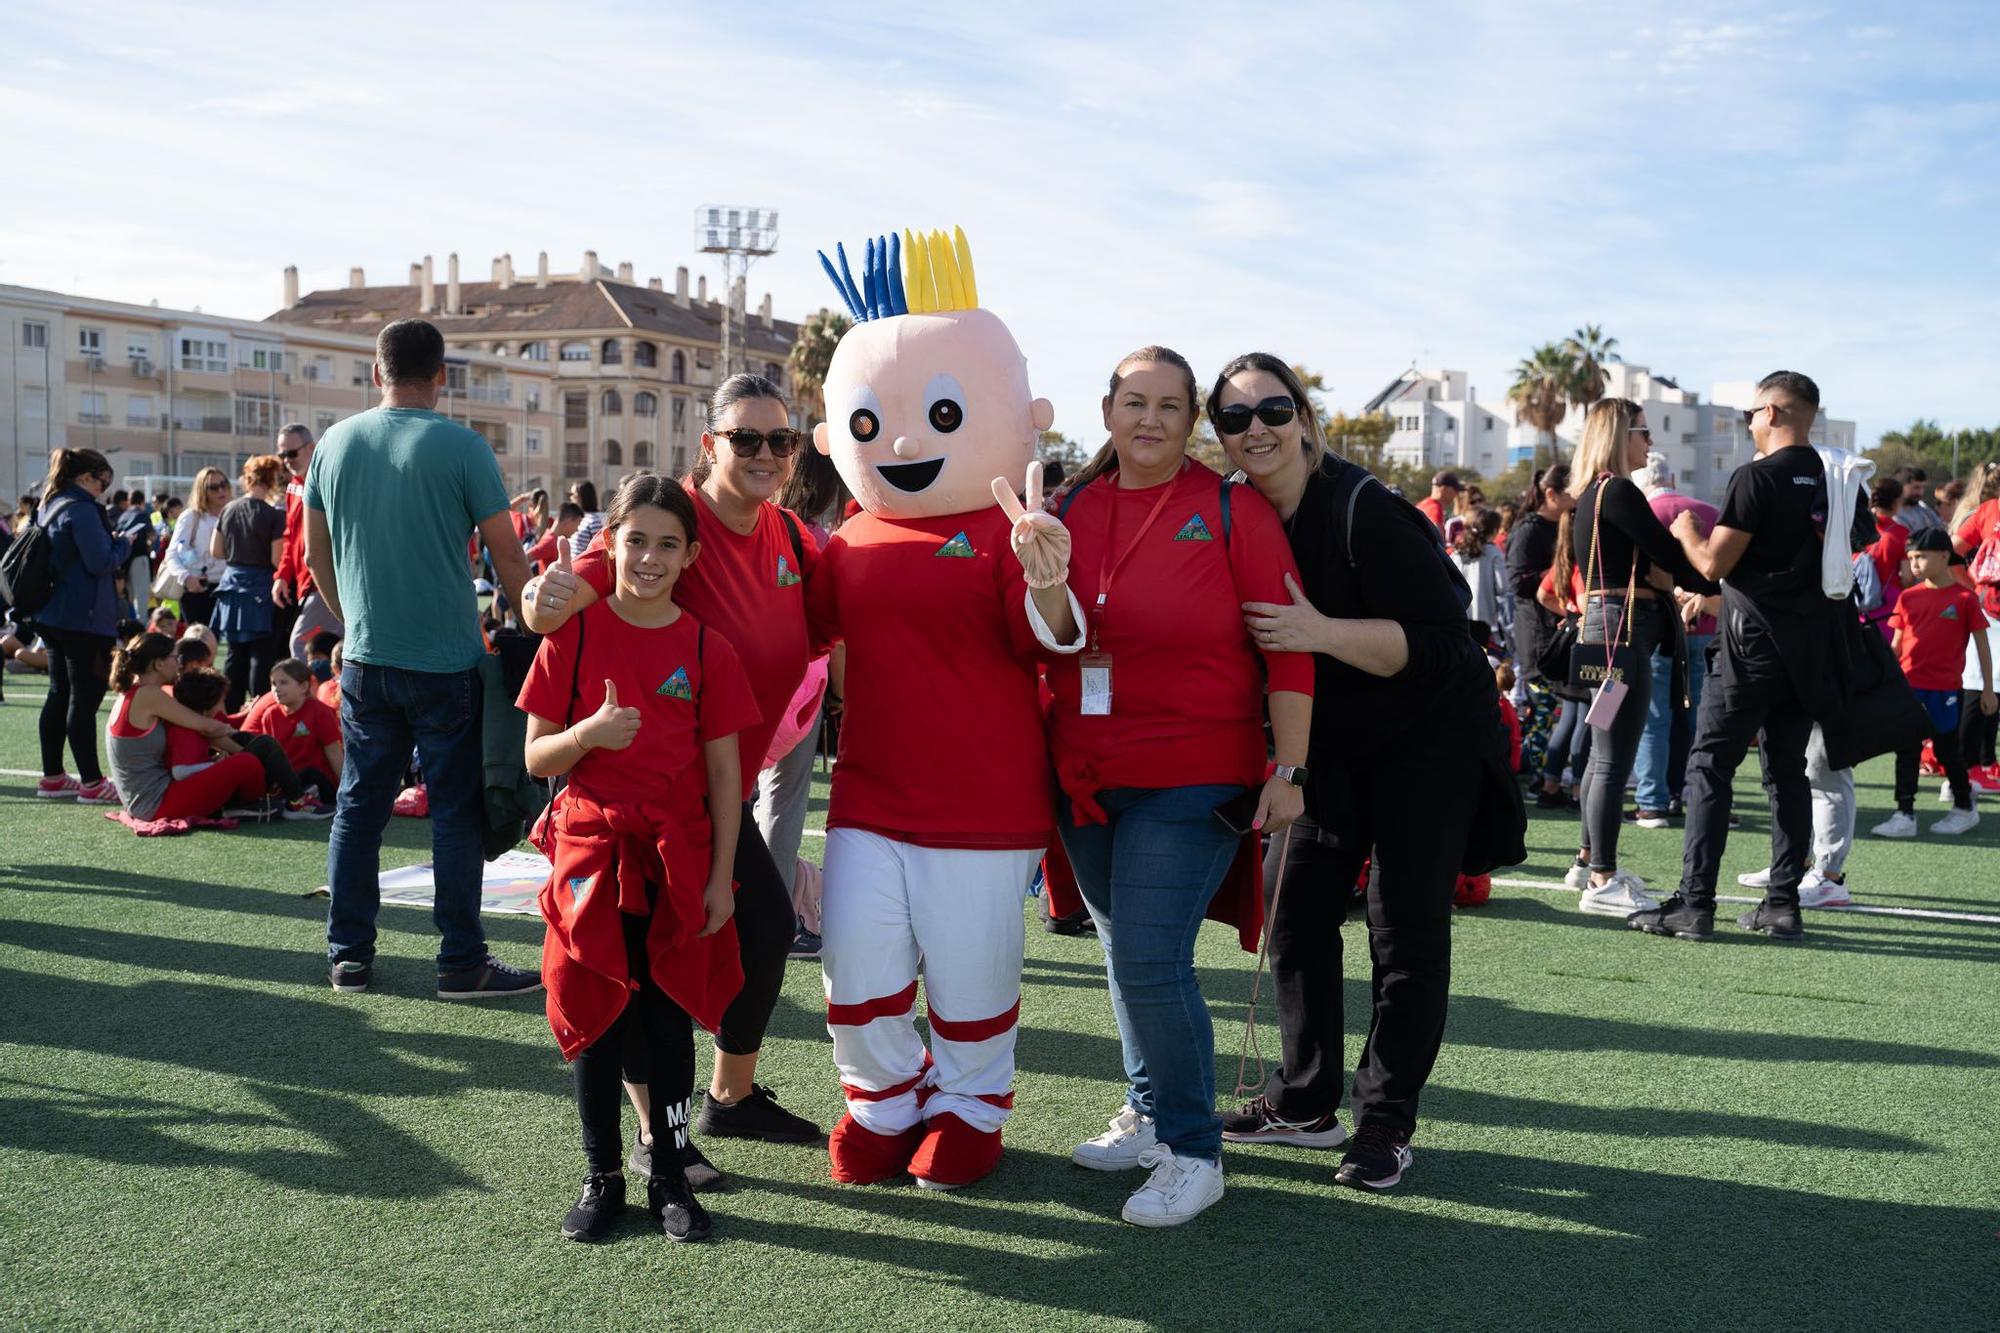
(640, 705)
(1158, 736)
(305, 728)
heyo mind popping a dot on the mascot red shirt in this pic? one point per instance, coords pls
(943, 798)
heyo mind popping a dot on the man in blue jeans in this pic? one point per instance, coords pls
(392, 495)
(1655, 764)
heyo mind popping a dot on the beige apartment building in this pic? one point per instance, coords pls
(163, 393)
(629, 365)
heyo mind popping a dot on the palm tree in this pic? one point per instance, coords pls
(1591, 351)
(811, 355)
(1544, 384)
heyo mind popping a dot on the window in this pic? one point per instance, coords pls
(139, 346)
(704, 359)
(256, 414)
(531, 399)
(576, 409)
(613, 455)
(679, 372)
(322, 423)
(90, 408)
(454, 378)
(262, 358)
(534, 351)
(35, 402)
(362, 375)
(645, 354)
(680, 461)
(680, 414)
(139, 412)
(642, 455)
(89, 343)
(576, 458)
(1489, 424)
(575, 351)
(611, 353)
(645, 405)
(34, 333)
(610, 404)
(534, 440)
(774, 373)
(1666, 422)
(206, 354)
(321, 369)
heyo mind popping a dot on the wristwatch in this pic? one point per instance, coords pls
(1294, 774)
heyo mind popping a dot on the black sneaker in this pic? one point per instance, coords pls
(597, 1211)
(805, 945)
(1676, 917)
(1259, 1122)
(260, 811)
(1377, 1159)
(349, 977)
(757, 1116)
(672, 1203)
(1551, 800)
(702, 1176)
(490, 980)
(1078, 922)
(1777, 923)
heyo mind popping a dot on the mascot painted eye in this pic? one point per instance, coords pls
(946, 415)
(863, 425)
(944, 404)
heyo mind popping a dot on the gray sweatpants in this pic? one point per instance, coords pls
(313, 617)
(1832, 806)
(780, 811)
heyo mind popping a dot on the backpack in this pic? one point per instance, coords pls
(27, 567)
(1985, 570)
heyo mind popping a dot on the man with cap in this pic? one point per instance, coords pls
(1445, 490)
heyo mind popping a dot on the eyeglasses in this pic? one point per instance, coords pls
(746, 442)
(288, 454)
(1750, 413)
(1643, 432)
(218, 485)
(1273, 412)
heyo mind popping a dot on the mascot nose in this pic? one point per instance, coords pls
(905, 447)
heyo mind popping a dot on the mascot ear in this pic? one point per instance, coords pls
(1044, 413)
(820, 441)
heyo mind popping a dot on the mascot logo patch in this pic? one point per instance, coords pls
(786, 579)
(1194, 530)
(579, 887)
(1949, 613)
(958, 548)
(302, 730)
(676, 686)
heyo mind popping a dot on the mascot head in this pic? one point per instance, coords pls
(927, 395)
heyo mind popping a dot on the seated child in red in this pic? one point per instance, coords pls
(200, 691)
(306, 729)
(639, 704)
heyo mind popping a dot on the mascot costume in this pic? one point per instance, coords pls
(943, 799)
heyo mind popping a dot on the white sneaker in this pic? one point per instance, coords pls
(1755, 879)
(1120, 1147)
(1178, 1189)
(1816, 890)
(1898, 825)
(1622, 895)
(1578, 878)
(1944, 792)
(1958, 821)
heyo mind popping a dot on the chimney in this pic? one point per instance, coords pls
(764, 311)
(356, 278)
(625, 271)
(429, 290)
(507, 269)
(495, 270)
(542, 270)
(590, 265)
(681, 286)
(451, 302)
(291, 285)
(655, 285)
(417, 276)
(701, 289)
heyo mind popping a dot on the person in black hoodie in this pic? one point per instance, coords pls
(1394, 767)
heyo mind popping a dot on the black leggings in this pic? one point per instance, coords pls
(1976, 731)
(79, 674)
(661, 1030)
(278, 772)
(249, 668)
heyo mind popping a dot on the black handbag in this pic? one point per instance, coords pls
(1878, 713)
(1553, 660)
(1593, 665)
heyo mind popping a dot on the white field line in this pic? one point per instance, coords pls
(1920, 913)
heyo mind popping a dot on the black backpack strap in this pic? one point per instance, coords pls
(1228, 484)
(575, 672)
(1361, 478)
(798, 541)
(1068, 499)
(700, 638)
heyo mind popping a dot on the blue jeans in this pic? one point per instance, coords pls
(1654, 762)
(384, 711)
(1147, 876)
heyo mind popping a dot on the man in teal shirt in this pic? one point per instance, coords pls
(392, 497)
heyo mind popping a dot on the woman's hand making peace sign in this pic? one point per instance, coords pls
(1041, 542)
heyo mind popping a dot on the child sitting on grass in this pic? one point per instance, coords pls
(164, 620)
(319, 656)
(328, 690)
(201, 690)
(305, 729)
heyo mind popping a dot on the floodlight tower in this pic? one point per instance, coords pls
(739, 235)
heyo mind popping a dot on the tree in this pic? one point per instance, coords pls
(1360, 438)
(1545, 383)
(1589, 352)
(810, 357)
(1941, 453)
(1055, 447)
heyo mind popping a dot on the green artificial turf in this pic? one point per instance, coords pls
(1621, 1131)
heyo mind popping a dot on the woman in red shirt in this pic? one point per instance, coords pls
(748, 585)
(1157, 730)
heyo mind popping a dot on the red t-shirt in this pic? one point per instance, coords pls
(1973, 534)
(328, 693)
(544, 552)
(1576, 589)
(941, 744)
(1187, 682)
(303, 735)
(750, 588)
(185, 746)
(292, 560)
(1433, 510)
(686, 681)
(1933, 626)
(1891, 543)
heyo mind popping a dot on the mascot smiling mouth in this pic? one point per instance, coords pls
(911, 476)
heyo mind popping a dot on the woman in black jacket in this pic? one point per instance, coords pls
(1394, 773)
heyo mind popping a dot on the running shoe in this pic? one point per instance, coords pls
(1377, 1159)
(1259, 1122)
(56, 788)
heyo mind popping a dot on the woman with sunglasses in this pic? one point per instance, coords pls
(749, 586)
(1158, 736)
(1407, 722)
(187, 552)
(79, 622)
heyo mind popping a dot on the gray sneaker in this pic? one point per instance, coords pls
(490, 980)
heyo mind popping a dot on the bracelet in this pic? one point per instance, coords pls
(577, 736)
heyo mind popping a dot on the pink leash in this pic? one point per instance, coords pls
(1250, 1045)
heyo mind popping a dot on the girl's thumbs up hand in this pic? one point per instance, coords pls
(610, 727)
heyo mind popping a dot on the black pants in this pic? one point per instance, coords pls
(197, 607)
(654, 1025)
(1417, 846)
(1946, 745)
(1976, 731)
(1613, 748)
(1748, 692)
(79, 674)
(249, 669)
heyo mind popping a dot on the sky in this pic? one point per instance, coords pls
(1727, 188)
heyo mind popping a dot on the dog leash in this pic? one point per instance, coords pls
(1250, 1044)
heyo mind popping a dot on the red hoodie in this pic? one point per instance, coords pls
(292, 560)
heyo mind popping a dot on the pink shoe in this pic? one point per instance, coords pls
(100, 792)
(57, 788)
(1986, 779)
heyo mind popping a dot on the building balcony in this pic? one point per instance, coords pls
(491, 393)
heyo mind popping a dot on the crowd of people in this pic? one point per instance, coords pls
(1293, 651)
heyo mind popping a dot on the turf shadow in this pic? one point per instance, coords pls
(1471, 1107)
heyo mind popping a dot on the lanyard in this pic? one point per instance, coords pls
(1107, 569)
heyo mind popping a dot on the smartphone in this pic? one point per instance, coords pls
(1237, 812)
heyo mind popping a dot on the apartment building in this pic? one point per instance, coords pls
(164, 393)
(1440, 423)
(630, 365)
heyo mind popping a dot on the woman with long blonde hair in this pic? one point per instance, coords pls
(187, 551)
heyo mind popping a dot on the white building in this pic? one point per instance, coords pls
(1440, 423)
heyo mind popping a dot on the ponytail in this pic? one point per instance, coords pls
(1565, 564)
(66, 465)
(138, 656)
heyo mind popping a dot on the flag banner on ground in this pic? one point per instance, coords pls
(512, 882)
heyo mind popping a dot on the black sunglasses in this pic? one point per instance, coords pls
(1274, 412)
(288, 454)
(218, 485)
(746, 442)
(1750, 413)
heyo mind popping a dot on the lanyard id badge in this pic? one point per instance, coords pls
(1095, 698)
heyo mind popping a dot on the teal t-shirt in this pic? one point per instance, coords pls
(402, 490)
